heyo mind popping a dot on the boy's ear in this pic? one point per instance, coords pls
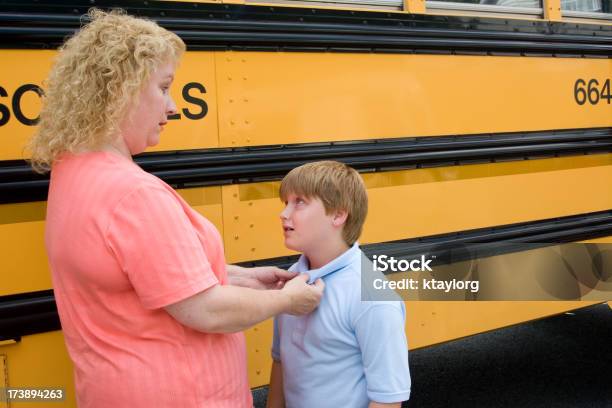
(340, 217)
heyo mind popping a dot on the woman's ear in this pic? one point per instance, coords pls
(340, 217)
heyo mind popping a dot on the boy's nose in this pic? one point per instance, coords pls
(284, 214)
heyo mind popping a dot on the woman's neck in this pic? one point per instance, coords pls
(118, 148)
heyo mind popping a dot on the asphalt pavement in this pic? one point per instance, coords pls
(560, 361)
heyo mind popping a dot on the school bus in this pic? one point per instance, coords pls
(470, 120)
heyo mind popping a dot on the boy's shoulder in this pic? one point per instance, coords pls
(357, 278)
(370, 279)
(359, 295)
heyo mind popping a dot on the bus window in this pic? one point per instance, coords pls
(528, 7)
(506, 3)
(582, 8)
(395, 5)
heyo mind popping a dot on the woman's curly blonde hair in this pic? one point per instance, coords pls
(97, 74)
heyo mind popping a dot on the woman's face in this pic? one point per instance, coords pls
(146, 119)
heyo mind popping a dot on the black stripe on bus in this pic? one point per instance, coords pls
(494, 240)
(186, 169)
(209, 26)
(30, 313)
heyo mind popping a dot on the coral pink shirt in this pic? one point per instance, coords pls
(122, 244)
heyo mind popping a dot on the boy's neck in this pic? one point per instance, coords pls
(326, 253)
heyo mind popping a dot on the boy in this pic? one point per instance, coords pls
(348, 352)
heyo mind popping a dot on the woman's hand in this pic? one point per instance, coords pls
(261, 277)
(303, 298)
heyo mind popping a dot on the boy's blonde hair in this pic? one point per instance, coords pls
(337, 185)
(97, 74)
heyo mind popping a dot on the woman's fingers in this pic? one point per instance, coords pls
(304, 298)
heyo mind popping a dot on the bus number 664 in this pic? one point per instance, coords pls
(591, 92)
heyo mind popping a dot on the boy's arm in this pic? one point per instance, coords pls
(380, 332)
(276, 396)
(381, 405)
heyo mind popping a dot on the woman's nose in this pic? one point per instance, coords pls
(171, 109)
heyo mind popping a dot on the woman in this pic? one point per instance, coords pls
(139, 277)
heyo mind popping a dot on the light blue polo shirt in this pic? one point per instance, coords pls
(347, 352)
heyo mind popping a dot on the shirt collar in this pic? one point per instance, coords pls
(335, 265)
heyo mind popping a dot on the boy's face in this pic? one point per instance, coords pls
(305, 224)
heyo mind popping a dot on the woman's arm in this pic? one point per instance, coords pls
(276, 396)
(228, 309)
(261, 277)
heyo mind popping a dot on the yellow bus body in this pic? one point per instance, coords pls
(237, 99)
